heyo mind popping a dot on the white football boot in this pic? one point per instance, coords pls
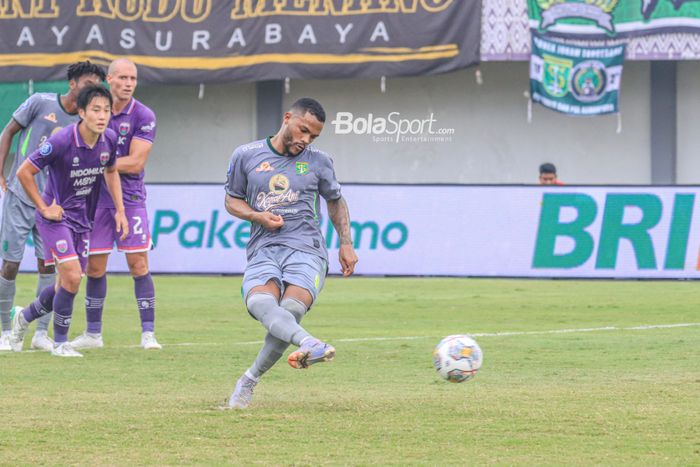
(243, 393)
(42, 341)
(87, 340)
(65, 350)
(19, 329)
(149, 342)
(5, 341)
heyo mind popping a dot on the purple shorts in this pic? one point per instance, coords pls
(104, 232)
(62, 244)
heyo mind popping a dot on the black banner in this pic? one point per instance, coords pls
(205, 41)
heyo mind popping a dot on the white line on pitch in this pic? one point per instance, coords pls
(409, 338)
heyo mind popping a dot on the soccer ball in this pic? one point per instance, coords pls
(457, 358)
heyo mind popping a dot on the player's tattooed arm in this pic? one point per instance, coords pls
(340, 216)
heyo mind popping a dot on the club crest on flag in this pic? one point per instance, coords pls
(588, 81)
(556, 75)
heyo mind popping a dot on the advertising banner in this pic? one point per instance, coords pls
(488, 231)
(575, 80)
(204, 41)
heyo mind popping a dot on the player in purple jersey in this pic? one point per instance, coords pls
(78, 157)
(39, 117)
(275, 184)
(135, 125)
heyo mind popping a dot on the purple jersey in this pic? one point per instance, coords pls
(74, 170)
(136, 121)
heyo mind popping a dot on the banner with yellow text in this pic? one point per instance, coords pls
(203, 41)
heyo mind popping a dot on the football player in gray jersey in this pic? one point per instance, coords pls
(275, 184)
(38, 118)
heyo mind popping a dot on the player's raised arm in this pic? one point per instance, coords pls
(10, 130)
(135, 161)
(114, 187)
(340, 216)
(25, 175)
(239, 208)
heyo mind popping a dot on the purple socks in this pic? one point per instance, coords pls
(95, 293)
(62, 313)
(146, 301)
(42, 305)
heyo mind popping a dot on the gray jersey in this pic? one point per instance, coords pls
(40, 117)
(288, 186)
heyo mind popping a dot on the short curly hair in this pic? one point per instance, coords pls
(76, 70)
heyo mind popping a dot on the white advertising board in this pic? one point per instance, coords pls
(516, 231)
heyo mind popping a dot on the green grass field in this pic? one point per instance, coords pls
(611, 396)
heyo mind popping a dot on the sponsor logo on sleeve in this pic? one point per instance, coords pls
(149, 128)
(45, 149)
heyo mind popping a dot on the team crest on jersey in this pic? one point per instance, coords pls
(302, 168)
(76, 161)
(62, 246)
(45, 149)
(104, 158)
(264, 167)
(279, 184)
(124, 128)
(51, 117)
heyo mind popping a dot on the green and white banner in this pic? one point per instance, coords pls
(575, 80)
(591, 19)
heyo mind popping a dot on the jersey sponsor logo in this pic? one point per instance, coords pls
(76, 161)
(302, 168)
(104, 158)
(279, 195)
(124, 128)
(121, 140)
(51, 117)
(264, 167)
(45, 149)
(62, 246)
(149, 127)
(278, 184)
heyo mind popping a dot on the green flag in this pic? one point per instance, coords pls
(575, 80)
(601, 19)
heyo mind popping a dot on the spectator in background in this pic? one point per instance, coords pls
(548, 174)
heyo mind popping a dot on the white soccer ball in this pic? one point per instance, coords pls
(457, 358)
